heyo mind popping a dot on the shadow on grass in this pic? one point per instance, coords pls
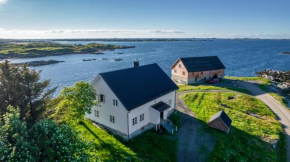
(237, 145)
(149, 146)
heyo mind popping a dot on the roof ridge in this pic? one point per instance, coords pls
(129, 68)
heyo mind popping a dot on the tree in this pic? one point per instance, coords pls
(44, 141)
(76, 101)
(22, 87)
(14, 138)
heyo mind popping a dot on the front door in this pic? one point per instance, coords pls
(161, 115)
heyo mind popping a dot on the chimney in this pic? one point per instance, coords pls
(136, 63)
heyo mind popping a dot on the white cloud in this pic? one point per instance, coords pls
(3, 31)
(3, 1)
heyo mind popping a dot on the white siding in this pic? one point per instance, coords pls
(106, 109)
(146, 110)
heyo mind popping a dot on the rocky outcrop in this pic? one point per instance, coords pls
(38, 63)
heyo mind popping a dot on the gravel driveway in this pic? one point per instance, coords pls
(190, 139)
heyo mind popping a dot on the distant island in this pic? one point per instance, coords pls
(41, 49)
(38, 63)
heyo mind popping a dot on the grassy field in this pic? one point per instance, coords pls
(250, 137)
(263, 85)
(149, 146)
(259, 79)
(209, 87)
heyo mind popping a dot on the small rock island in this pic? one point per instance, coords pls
(38, 63)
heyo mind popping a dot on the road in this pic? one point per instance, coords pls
(283, 115)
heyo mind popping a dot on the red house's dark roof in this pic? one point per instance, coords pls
(206, 63)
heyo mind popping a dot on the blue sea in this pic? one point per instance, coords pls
(241, 58)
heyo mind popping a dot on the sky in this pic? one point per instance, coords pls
(42, 19)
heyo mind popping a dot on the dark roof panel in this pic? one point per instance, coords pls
(194, 64)
(160, 106)
(138, 85)
(226, 119)
(223, 116)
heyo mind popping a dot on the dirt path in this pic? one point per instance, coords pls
(283, 115)
(190, 139)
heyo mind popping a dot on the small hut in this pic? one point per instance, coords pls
(220, 121)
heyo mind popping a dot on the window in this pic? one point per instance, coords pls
(220, 71)
(115, 102)
(101, 98)
(201, 72)
(196, 79)
(112, 119)
(170, 102)
(135, 121)
(180, 65)
(175, 71)
(192, 74)
(141, 117)
(183, 73)
(96, 113)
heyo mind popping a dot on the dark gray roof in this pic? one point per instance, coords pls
(223, 116)
(139, 85)
(193, 64)
(160, 106)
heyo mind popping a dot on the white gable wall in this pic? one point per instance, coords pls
(147, 114)
(106, 109)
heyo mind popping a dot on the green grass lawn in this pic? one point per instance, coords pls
(149, 146)
(250, 137)
(261, 80)
(209, 87)
(263, 85)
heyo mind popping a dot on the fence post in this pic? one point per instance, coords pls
(176, 128)
(172, 131)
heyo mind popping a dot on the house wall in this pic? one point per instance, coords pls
(147, 112)
(106, 109)
(208, 74)
(219, 124)
(178, 76)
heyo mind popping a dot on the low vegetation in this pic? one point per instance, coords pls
(257, 79)
(264, 85)
(150, 146)
(209, 87)
(254, 127)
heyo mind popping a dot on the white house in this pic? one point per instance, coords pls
(133, 100)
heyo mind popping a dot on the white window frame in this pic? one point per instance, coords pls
(115, 102)
(134, 121)
(142, 117)
(97, 114)
(112, 119)
(100, 97)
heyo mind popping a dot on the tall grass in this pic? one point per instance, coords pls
(250, 137)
